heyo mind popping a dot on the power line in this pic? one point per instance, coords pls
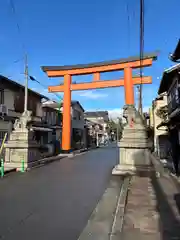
(128, 24)
(44, 86)
(14, 62)
(141, 52)
(12, 5)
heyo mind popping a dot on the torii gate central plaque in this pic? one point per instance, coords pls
(126, 65)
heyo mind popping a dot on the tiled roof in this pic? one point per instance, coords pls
(96, 114)
(16, 84)
(168, 77)
(176, 55)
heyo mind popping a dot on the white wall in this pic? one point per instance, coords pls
(39, 110)
(156, 121)
(76, 122)
(9, 96)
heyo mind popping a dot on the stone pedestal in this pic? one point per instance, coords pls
(21, 146)
(133, 146)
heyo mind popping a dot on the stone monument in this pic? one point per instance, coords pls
(21, 147)
(133, 146)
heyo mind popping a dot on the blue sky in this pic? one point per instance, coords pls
(70, 32)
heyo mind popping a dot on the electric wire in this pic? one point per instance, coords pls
(128, 24)
(13, 8)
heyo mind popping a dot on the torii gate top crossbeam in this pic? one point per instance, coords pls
(106, 66)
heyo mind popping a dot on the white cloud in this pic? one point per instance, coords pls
(92, 95)
(115, 113)
(146, 108)
(118, 112)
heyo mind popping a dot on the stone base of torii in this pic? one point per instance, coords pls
(134, 146)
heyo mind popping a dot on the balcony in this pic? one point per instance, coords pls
(12, 113)
(173, 105)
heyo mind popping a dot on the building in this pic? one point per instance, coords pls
(12, 104)
(97, 116)
(51, 118)
(147, 118)
(156, 119)
(176, 54)
(93, 133)
(170, 84)
(78, 131)
(101, 119)
(12, 107)
(46, 118)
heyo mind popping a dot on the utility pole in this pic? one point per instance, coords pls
(139, 98)
(117, 134)
(26, 85)
(141, 52)
(97, 139)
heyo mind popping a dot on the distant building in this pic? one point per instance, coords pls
(97, 116)
(100, 118)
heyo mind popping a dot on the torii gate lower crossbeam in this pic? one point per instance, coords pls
(68, 71)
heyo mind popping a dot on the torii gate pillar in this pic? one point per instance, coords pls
(128, 86)
(66, 143)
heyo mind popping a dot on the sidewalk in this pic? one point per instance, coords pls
(153, 208)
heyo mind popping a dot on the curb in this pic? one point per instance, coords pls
(120, 210)
(100, 221)
(106, 220)
(7, 172)
(45, 161)
(158, 166)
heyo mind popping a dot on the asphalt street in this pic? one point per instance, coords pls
(55, 201)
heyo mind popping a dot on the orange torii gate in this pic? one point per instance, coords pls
(95, 69)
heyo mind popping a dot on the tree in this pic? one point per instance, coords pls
(162, 112)
(116, 127)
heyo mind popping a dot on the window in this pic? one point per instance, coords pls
(49, 117)
(53, 118)
(1, 96)
(76, 115)
(44, 118)
(173, 97)
(19, 101)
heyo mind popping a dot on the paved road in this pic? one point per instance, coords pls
(56, 200)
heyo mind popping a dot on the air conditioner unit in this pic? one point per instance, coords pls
(3, 110)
